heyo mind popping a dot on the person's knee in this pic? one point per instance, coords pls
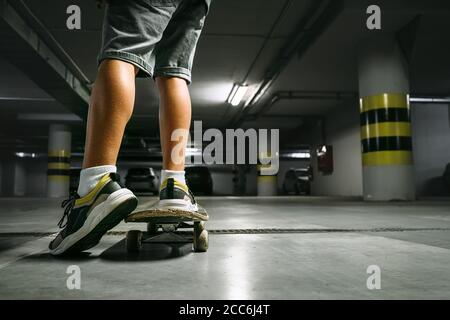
(115, 65)
(168, 81)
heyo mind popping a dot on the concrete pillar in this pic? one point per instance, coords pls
(1, 177)
(13, 182)
(385, 120)
(239, 179)
(266, 185)
(58, 173)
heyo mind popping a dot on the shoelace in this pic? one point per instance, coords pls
(192, 195)
(170, 186)
(68, 204)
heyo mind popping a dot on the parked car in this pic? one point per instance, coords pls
(297, 181)
(199, 180)
(142, 180)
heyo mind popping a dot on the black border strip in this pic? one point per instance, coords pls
(229, 309)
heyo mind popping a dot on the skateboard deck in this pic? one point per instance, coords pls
(168, 221)
(154, 214)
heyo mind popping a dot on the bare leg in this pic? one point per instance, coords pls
(110, 109)
(174, 113)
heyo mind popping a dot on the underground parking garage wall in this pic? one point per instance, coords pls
(13, 178)
(23, 177)
(342, 130)
(431, 144)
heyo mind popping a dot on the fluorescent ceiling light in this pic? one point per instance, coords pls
(193, 149)
(232, 93)
(299, 155)
(193, 152)
(257, 96)
(261, 93)
(237, 94)
(26, 155)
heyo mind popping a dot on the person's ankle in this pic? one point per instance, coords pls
(176, 175)
(90, 177)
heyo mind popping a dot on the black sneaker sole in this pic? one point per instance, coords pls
(110, 221)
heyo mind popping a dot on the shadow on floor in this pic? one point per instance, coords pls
(9, 243)
(149, 252)
(45, 256)
(118, 252)
(161, 246)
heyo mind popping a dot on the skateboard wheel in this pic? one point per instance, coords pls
(152, 228)
(200, 225)
(134, 240)
(200, 237)
(169, 227)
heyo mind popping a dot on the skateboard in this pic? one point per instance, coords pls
(168, 221)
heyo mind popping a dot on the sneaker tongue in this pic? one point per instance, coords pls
(170, 187)
(116, 178)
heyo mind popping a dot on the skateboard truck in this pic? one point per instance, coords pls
(169, 221)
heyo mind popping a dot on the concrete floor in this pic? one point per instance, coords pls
(270, 248)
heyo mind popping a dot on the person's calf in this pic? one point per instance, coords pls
(174, 120)
(111, 107)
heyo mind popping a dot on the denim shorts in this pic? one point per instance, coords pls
(157, 36)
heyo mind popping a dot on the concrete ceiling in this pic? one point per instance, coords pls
(240, 39)
(330, 63)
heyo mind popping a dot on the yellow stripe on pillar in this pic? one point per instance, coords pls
(59, 153)
(58, 165)
(267, 178)
(384, 101)
(385, 158)
(386, 129)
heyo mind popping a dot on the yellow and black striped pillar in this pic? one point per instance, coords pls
(386, 130)
(386, 143)
(58, 171)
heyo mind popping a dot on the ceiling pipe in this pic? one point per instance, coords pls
(297, 95)
(269, 36)
(321, 95)
(415, 100)
(317, 19)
